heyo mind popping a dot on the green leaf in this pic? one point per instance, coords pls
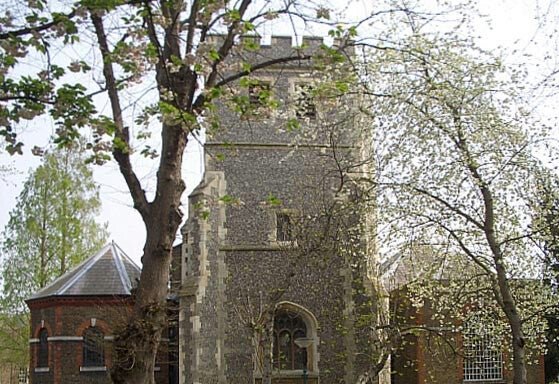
(246, 67)
(342, 86)
(251, 45)
(227, 199)
(293, 124)
(176, 60)
(151, 51)
(214, 93)
(273, 200)
(149, 152)
(120, 145)
(248, 27)
(234, 15)
(214, 55)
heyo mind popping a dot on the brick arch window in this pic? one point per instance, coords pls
(43, 353)
(288, 327)
(93, 348)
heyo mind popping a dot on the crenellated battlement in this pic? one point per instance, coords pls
(282, 42)
(279, 41)
(266, 48)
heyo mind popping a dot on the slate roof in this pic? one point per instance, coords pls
(108, 272)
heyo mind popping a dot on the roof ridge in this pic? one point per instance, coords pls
(121, 269)
(80, 265)
(125, 256)
(86, 267)
(108, 270)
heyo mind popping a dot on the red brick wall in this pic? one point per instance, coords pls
(427, 359)
(70, 317)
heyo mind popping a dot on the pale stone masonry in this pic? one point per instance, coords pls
(236, 261)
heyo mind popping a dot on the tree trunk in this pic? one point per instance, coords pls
(43, 256)
(267, 336)
(136, 346)
(515, 323)
(63, 255)
(504, 295)
(505, 298)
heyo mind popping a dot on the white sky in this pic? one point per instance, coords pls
(515, 28)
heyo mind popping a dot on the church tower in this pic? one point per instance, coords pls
(273, 280)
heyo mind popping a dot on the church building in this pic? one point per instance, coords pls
(270, 283)
(274, 278)
(263, 261)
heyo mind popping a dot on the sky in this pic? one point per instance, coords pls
(514, 31)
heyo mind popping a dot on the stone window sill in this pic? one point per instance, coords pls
(493, 381)
(291, 373)
(286, 244)
(93, 369)
(42, 370)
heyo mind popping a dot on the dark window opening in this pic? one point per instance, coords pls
(284, 230)
(93, 348)
(305, 103)
(288, 327)
(43, 358)
(259, 93)
(173, 352)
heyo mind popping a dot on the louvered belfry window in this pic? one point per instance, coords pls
(284, 229)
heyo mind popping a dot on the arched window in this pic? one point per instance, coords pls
(43, 355)
(288, 327)
(93, 348)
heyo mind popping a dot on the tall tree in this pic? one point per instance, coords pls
(168, 46)
(457, 167)
(50, 230)
(546, 223)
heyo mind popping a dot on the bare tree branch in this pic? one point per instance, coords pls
(122, 155)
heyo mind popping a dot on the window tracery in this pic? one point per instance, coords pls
(288, 327)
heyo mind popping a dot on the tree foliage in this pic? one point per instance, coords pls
(455, 163)
(51, 229)
(546, 222)
(165, 50)
(458, 176)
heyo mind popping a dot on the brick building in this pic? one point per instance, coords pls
(458, 351)
(253, 252)
(73, 320)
